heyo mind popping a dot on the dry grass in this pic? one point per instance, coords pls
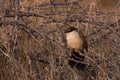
(31, 46)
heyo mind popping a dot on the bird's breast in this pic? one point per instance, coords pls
(74, 40)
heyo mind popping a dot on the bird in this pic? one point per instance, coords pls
(76, 42)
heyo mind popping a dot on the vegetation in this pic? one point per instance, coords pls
(31, 33)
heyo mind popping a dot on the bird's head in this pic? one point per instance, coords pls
(70, 29)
